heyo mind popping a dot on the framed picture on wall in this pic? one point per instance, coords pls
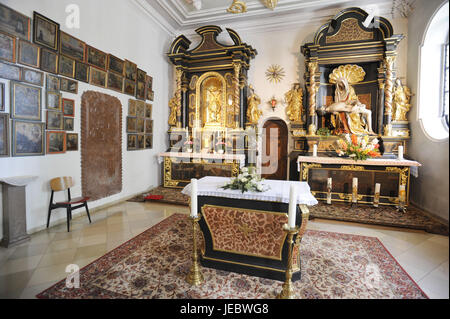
(4, 135)
(97, 77)
(53, 101)
(115, 64)
(141, 75)
(45, 32)
(49, 61)
(69, 86)
(81, 71)
(129, 87)
(140, 109)
(115, 82)
(131, 142)
(97, 58)
(7, 47)
(15, 23)
(68, 107)
(2, 97)
(32, 77)
(148, 87)
(148, 110)
(131, 107)
(55, 120)
(148, 126)
(66, 66)
(10, 72)
(140, 125)
(29, 54)
(140, 90)
(131, 124)
(140, 141)
(148, 141)
(52, 83)
(68, 123)
(56, 142)
(130, 71)
(27, 138)
(25, 102)
(72, 47)
(71, 142)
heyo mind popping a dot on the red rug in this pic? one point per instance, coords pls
(155, 263)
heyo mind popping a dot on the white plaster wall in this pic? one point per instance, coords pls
(124, 30)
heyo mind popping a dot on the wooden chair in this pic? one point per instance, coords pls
(61, 184)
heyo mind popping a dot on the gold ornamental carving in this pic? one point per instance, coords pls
(237, 70)
(271, 4)
(312, 68)
(294, 101)
(352, 168)
(389, 86)
(275, 73)
(237, 7)
(306, 167)
(350, 31)
(175, 102)
(211, 98)
(401, 103)
(253, 112)
(352, 72)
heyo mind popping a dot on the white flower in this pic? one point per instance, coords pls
(244, 170)
(374, 141)
(352, 155)
(259, 187)
(347, 137)
(244, 180)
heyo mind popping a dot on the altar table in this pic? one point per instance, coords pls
(180, 167)
(243, 232)
(390, 173)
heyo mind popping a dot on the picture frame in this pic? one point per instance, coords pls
(140, 142)
(97, 77)
(81, 71)
(148, 141)
(129, 87)
(115, 82)
(68, 107)
(29, 54)
(69, 86)
(66, 66)
(52, 83)
(132, 108)
(32, 77)
(2, 97)
(10, 72)
(115, 64)
(97, 58)
(148, 87)
(53, 101)
(72, 47)
(71, 142)
(25, 101)
(56, 142)
(15, 23)
(4, 135)
(69, 123)
(148, 110)
(152, 96)
(148, 126)
(45, 32)
(131, 142)
(141, 75)
(130, 71)
(140, 90)
(7, 47)
(27, 138)
(140, 125)
(140, 109)
(131, 124)
(49, 61)
(54, 120)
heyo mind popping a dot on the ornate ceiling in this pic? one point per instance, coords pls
(178, 16)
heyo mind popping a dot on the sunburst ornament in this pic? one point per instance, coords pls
(275, 73)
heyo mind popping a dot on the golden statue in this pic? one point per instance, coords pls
(402, 98)
(294, 100)
(253, 112)
(173, 111)
(352, 115)
(214, 104)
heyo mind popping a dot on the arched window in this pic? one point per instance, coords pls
(433, 82)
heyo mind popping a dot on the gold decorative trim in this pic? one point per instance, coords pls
(349, 31)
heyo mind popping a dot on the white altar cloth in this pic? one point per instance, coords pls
(278, 192)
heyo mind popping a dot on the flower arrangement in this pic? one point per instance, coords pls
(358, 147)
(247, 181)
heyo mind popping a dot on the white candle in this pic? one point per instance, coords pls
(355, 190)
(400, 152)
(315, 150)
(376, 199)
(194, 213)
(292, 206)
(329, 186)
(402, 194)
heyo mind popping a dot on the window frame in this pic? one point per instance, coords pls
(444, 89)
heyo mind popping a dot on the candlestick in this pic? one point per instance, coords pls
(288, 290)
(355, 190)
(315, 150)
(401, 198)
(292, 205)
(194, 188)
(376, 199)
(400, 152)
(195, 276)
(329, 186)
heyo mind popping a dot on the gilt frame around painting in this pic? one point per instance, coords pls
(25, 102)
(72, 47)
(45, 31)
(49, 61)
(56, 142)
(15, 23)
(29, 54)
(28, 138)
(7, 47)
(4, 135)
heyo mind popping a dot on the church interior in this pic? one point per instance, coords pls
(226, 149)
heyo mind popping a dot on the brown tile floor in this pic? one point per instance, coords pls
(28, 269)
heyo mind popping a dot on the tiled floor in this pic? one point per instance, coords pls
(28, 269)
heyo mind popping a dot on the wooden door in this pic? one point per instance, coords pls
(275, 138)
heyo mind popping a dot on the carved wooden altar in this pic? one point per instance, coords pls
(347, 41)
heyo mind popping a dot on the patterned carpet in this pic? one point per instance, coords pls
(155, 263)
(414, 218)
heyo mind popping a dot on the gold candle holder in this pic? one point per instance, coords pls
(402, 199)
(195, 276)
(288, 290)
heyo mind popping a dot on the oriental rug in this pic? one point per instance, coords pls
(414, 218)
(155, 263)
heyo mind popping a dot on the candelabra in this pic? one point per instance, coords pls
(288, 290)
(195, 276)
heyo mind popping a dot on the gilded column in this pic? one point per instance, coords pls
(388, 94)
(179, 75)
(312, 89)
(236, 94)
